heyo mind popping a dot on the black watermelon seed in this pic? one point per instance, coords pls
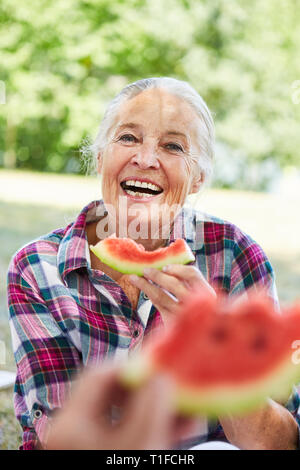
(219, 334)
(259, 344)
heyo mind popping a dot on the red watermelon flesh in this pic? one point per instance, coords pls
(227, 356)
(129, 257)
(250, 334)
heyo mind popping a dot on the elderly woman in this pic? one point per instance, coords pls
(68, 310)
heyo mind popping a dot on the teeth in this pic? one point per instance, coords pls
(135, 193)
(140, 184)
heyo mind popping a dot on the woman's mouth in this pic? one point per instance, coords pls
(140, 189)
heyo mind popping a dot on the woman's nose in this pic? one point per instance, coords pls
(146, 157)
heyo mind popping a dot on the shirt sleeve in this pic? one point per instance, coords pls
(45, 358)
(293, 405)
(251, 268)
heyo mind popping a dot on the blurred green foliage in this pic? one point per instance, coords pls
(62, 62)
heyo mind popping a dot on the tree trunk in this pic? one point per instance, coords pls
(10, 157)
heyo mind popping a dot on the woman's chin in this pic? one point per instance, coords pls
(147, 218)
(147, 222)
(146, 208)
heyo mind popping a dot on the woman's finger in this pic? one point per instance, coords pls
(162, 300)
(191, 275)
(170, 283)
(148, 415)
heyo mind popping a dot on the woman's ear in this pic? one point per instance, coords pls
(197, 182)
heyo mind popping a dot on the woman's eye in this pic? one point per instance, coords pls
(174, 147)
(128, 138)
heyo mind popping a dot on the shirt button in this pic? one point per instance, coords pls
(145, 296)
(136, 333)
(37, 414)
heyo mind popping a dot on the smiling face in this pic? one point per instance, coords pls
(150, 156)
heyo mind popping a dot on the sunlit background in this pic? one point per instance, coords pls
(60, 64)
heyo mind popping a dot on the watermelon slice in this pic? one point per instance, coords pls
(224, 356)
(128, 257)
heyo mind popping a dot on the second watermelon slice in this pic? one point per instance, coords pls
(224, 356)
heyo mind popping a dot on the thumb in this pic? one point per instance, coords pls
(149, 414)
(95, 389)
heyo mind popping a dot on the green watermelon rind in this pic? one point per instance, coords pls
(127, 267)
(236, 399)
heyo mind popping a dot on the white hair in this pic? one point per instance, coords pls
(176, 87)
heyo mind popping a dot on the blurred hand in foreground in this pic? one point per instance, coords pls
(146, 418)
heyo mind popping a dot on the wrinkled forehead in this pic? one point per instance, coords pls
(157, 110)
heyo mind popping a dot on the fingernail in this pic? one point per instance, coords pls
(165, 268)
(147, 271)
(133, 278)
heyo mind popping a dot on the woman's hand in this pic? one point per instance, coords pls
(167, 288)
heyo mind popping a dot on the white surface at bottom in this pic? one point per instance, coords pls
(214, 445)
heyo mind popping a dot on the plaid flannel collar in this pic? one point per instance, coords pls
(73, 249)
(73, 252)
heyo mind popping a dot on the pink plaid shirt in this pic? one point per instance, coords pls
(64, 315)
